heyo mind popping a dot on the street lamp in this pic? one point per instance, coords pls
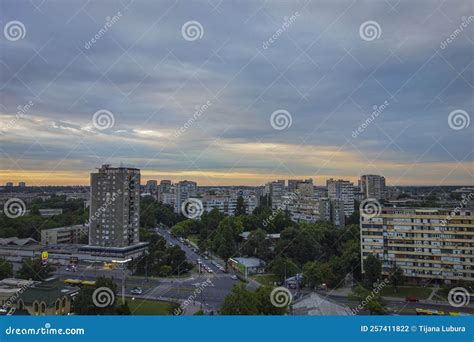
(123, 263)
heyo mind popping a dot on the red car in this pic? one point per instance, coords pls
(412, 299)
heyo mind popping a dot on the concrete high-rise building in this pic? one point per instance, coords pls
(22, 184)
(305, 188)
(165, 186)
(425, 243)
(306, 209)
(342, 190)
(372, 186)
(184, 190)
(115, 207)
(292, 183)
(276, 190)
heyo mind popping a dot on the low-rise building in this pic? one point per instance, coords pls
(62, 235)
(247, 266)
(47, 298)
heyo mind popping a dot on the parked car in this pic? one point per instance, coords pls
(234, 277)
(412, 299)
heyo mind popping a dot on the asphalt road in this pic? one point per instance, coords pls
(213, 287)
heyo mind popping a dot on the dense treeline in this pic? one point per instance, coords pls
(322, 249)
(30, 225)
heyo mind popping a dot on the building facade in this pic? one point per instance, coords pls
(64, 235)
(427, 244)
(184, 190)
(115, 207)
(342, 190)
(372, 186)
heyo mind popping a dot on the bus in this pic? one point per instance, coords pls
(428, 312)
(80, 283)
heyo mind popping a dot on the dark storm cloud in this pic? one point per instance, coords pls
(248, 64)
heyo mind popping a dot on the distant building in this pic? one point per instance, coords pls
(305, 188)
(373, 186)
(184, 190)
(306, 209)
(276, 190)
(9, 185)
(247, 266)
(64, 235)
(151, 186)
(429, 245)
(22, 184)
(342, 190)
(227, 204)
(115, 207)
(292, 184)
(50, 212)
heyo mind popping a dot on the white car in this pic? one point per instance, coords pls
(136, 291)
(234, 277)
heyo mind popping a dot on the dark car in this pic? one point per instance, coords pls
(412, 299)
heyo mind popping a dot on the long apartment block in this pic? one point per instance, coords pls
(430, 245)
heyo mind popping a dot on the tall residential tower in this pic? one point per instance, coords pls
(115, 207)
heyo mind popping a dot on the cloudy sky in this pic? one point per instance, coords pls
(187, 89)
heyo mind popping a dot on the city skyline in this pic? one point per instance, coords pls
(284, 90)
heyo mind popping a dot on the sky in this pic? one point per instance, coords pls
(237, 93)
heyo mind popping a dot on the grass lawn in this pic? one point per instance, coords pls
(265, 279)
(144, 307)
(405, 291)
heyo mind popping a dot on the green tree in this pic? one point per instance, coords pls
(224, 242)
(240, 301)
(373, 269)
(6, 269)
(368, 300)
(240, 208)
(84, 301)
(257, 244)
(312, 275)
(35, 269)
(396, 276)
(283, 268)
(265, 306)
